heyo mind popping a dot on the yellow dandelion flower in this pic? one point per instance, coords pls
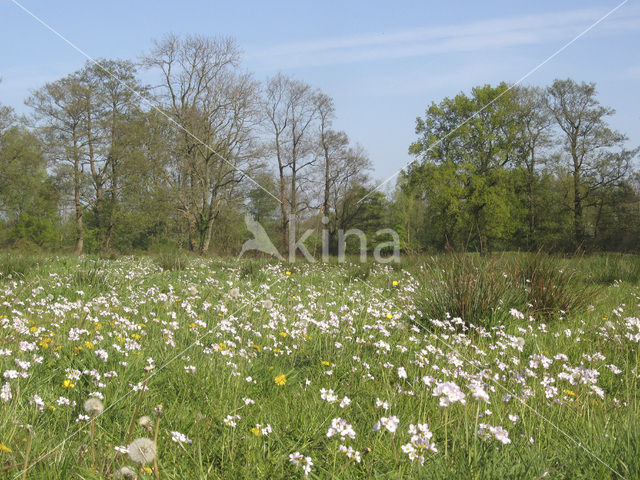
(280, 380)
(284, 334)
(569, 392)
(389, 316)
(325, 363)
(4, 448)
(89, 345)
(256, 431)
(394, 283)
(256, 347)
(287, 272)
(68, 384)
(146, 469)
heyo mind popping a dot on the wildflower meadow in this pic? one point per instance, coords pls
(517, 366)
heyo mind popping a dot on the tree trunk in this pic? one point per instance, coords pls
(327, 168)
(283, 200)
(532, 217)
(292, 209)
(76, 197)
(578, 225)
(114, 182)
(97, 179)
(192, 233)
(204, 248)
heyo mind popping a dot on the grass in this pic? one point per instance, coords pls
(221, 331)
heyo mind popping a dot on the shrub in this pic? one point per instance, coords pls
(90, 273)
(172, 260)
(550, 287)
(17, 264)
(471, 287)
(484, 289)
(607, 268)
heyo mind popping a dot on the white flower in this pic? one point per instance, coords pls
(179, 437)
(478, 392)
(350, 452)
(487, 432)
(420, 442)
(37, 401)
(449, 393)
(231, 420)
(342, 428)
(390, 423)
(5, 393)
(328, 395)
(297, 459)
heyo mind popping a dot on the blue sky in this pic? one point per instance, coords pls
(382, 62)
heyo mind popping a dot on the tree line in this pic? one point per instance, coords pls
(104, 162)
(522, 168)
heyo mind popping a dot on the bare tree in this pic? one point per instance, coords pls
(290, 110)
(534, 123)
(214, 108)
(330, 143)
(593, 152)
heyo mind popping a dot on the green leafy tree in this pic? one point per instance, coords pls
(28, 200)
(466, 145)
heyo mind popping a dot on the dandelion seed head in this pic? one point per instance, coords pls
(126, 473)
(93, 407)
(142, 450)
(145, 422)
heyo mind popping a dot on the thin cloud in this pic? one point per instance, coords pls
(460, 38)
